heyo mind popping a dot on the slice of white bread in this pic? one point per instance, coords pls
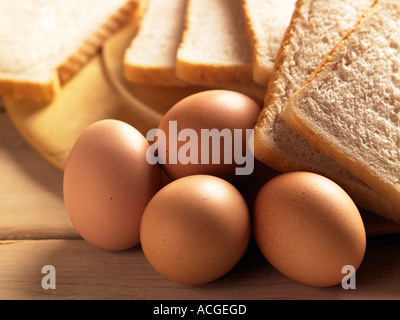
(350, 107)
(151, 56)
(309, 38)
(266, 22)
(215, 48)
(45, 43)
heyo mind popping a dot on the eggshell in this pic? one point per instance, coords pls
(108, 183)
(308, 228)
(195, 229)
(216, 110)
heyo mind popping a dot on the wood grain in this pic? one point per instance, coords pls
(31, 205)
(85, 272)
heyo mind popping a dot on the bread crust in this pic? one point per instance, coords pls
(37, 92)
(262, 151)
(258, 75)
(262, 69)
(209, 74)
(152, 76)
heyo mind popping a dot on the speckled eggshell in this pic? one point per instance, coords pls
(108, 183)
(308, 228)
(216, 110)
(195, 229)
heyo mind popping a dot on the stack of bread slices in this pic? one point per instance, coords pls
(208, 42)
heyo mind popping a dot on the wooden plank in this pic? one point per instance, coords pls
(31, 201)
(85, 272)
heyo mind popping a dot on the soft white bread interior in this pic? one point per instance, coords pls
(215, 48)
(151, 56)
(266, 22)
(45, 43)
(350, 107)
(309, 38)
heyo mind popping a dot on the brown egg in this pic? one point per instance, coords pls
(108, 183)
(195, 229)
(308, 228)
(207, 133)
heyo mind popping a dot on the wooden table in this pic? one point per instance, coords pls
(35, 232)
